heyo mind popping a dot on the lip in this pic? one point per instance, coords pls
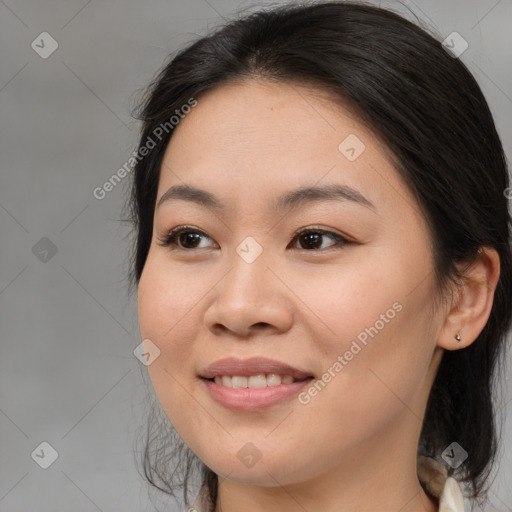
(252, 366)
(249, 399)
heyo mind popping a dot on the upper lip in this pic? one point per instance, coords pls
(251, 366)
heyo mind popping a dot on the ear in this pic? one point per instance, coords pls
(472, 302)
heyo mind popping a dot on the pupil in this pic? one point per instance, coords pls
(312, 240)
(189, 238)
(312, 237)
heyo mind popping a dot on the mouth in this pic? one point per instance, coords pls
(252, 384)
(254, 372)
(258, 381)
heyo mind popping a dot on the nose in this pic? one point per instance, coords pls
(250, 298)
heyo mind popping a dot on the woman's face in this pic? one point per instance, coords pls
(245, 292)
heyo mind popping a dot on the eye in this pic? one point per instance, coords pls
(312, 238)
(187, 237)
(183, 237)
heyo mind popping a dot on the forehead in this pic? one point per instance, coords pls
(243, 138)
(245, 115)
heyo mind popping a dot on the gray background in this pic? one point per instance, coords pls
(68, 328)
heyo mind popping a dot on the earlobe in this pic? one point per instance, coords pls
(471, 310)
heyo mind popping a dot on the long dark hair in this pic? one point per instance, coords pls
(430, 112)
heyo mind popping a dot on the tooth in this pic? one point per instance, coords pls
(273, 379)
(257, 381)
(226, 381)
(254, 381)
(239, 381)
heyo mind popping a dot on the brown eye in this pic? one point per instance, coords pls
(312, 239)
(188, 238)
(183, 237)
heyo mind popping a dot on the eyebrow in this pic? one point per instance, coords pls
(290, 200)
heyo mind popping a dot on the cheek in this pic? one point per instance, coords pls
(166, 317)
(168, 301)
(343, 301)
(368, 387)
(163, 320)
(377, 318)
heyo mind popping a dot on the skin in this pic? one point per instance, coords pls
(355, 442)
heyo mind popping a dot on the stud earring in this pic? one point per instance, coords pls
(457, 337)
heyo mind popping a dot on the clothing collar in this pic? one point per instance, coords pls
(432, 474)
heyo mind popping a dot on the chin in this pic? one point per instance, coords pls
(268, 471)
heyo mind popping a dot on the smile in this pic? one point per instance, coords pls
(254, 381)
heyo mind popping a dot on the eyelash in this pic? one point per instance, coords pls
(169, 240)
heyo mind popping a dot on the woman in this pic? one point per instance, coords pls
(323, 265)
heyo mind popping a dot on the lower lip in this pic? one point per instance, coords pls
(253, 399)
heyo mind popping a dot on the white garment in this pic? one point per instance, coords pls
(433, 475)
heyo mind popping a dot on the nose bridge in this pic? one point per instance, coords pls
(248, 279)
(249, 294)
(250, 250)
